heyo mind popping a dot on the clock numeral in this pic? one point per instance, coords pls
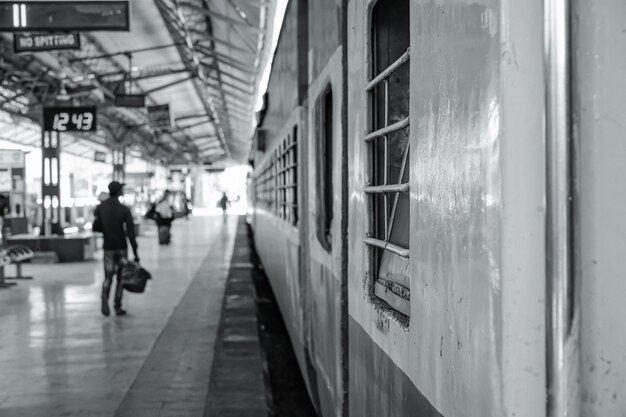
(19, 15)
(87, 121)
(60, 121)
(77, 120)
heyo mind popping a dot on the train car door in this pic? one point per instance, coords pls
(326, 332)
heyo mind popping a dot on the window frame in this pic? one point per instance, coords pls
(324, 173)
(276, 181)
(395, 294)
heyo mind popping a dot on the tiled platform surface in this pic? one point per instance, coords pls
(60, 357)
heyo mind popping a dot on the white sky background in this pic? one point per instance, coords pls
(281, 6)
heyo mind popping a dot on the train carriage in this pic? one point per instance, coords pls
(436, 240)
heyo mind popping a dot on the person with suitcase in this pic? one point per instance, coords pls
(164, 218)
(115, 221)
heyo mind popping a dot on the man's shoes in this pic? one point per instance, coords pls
(120, 312)
(105, 308)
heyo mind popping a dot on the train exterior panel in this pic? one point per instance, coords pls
(325, 237)
(306, 275)
(600, 64)
(457, 354)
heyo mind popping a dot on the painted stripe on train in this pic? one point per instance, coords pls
(377, 386)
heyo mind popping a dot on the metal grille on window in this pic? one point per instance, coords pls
(265, 186)
(388, 148)
(294, 176)
(288, 184)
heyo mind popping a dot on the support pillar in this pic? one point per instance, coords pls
(119, 164)
(50, 184)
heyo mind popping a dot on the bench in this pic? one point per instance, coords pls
(19, 254)
(75, 247)
(16, 254)
(4, 261)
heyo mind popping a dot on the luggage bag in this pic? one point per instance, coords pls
(134, 277)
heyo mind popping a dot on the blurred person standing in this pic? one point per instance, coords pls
(115, 221)
(224, 203)
(164, 218)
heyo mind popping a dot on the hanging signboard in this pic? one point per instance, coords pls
(69, 119)
(159, 117)
(130, 100)
(48, 16)
(34, 42)
(5, 180)
(100, 156)
(10, 158)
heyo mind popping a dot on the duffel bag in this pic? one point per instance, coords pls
(134, 277)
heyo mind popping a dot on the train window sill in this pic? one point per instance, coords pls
(384, 309)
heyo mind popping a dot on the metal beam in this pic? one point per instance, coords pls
(125, 52)
(179, 128)
(215, 15)
(208, 38)
(218, 56)
(151, 72)
(173, 83)
(227, 74)
(188, 53)
(191, 116)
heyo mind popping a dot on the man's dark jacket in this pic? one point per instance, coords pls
(115, 222)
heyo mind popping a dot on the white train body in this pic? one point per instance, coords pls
(435, 245)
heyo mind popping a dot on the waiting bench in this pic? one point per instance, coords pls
(16, 255)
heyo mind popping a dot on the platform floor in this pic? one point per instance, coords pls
(60, 357)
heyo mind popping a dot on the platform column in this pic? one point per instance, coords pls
(119, 164)
(50, 184)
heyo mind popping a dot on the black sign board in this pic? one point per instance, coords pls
(159, 117)
(28, 16)
(100, 156)
(33, 42)
(69, 119)
(130, 100)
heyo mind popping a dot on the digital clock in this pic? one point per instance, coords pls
(20, 16)
(69, 119)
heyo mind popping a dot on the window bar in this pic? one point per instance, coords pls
(387, 189)
(386, 159)
(389, 70)
(405, 160)
(398, 250)
(388, 129)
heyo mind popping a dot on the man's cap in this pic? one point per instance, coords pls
(115, 187)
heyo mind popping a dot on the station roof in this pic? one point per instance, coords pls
(203, 58)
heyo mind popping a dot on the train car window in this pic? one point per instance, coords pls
(286, 179)
(282, 183)
(275, 184)
(388, 146)
(324, 171)
(294, 173)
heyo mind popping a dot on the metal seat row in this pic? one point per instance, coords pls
(16, 255)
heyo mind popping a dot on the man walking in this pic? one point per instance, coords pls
(115, 221)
